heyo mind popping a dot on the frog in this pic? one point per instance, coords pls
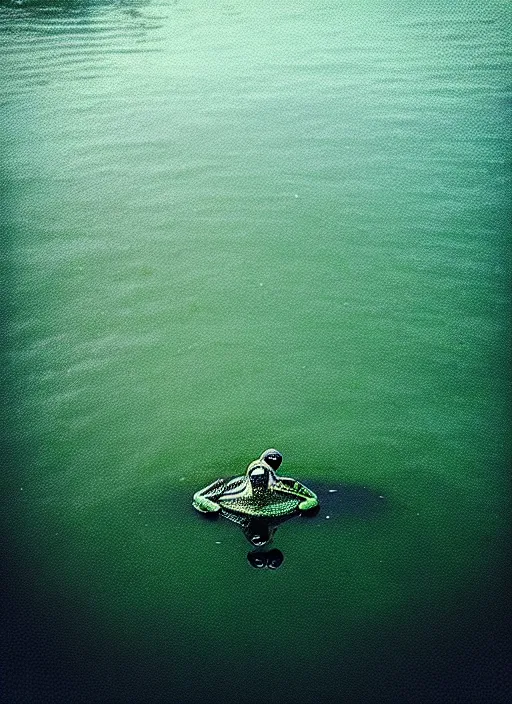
(259, 492)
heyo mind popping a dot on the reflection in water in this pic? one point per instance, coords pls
(272, 559)
(85, 30)
(260, 533)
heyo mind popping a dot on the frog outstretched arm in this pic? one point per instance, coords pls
(310, 499)
(205, 500)
(260, 492)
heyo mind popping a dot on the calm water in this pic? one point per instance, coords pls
(231, 225)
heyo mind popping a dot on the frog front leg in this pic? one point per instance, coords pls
(204, 500)
(308, 503)
(308, 498)
(204, 505)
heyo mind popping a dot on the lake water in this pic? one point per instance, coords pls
(233, 225)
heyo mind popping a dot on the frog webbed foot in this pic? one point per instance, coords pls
(204, 505)
(308, 504)
(204, 500)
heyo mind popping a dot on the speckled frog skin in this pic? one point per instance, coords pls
(260, 492)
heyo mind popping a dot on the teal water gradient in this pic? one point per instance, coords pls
(230, 226)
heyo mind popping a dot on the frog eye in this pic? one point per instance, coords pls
(272, 458)
(258, 475)
(274, 559)
(257, 559)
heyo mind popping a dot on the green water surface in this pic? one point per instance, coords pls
(233, 225)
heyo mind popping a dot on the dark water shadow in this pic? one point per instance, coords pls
(344, 501)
